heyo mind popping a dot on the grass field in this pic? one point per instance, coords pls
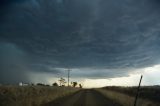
(146, 92)
(31, 95)
(39, 95)
(148, 96)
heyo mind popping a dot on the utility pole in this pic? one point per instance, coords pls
(135, 102)
(68, 76)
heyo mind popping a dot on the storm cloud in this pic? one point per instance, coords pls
(95, 38)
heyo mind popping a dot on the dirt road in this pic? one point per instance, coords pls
(83, 98)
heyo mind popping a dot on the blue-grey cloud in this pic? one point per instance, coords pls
(94, 34)
(13, 64)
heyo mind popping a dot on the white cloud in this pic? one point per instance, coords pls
(150, 77)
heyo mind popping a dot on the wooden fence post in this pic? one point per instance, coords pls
(135, 102)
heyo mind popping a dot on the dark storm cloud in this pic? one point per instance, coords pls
(4, 3)
(45, 68)
(103, 35)
(12, 63)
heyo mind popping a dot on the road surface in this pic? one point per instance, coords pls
(83, 98)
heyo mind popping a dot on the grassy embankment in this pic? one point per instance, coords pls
(148, 96)
(31, 95)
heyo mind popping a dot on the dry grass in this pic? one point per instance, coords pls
(31, 95)
(146, 92)
(126, 100)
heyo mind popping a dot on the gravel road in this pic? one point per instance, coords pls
(88, 97)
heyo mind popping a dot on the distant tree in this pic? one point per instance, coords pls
(80, 86)
(62, 82)
(32, 84)
(55, 84)
(40, 84)
(74, 84)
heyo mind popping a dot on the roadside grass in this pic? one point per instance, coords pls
(126, 100)
(146, 92)
(31, 95)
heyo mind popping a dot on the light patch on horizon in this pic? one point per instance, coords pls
(150, 77)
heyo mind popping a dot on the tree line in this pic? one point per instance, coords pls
(62, 82)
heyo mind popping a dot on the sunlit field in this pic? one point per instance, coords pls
(148, 96)
(32, 95)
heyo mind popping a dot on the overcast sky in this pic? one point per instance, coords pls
(97, 39)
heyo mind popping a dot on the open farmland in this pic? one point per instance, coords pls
(148, 96)
(68, 96)
(31, 95)
(148, 92)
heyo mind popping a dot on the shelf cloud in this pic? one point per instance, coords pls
(95, 38)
